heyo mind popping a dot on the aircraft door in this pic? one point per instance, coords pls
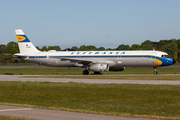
(36, 57)
(153, 56)
(119, 60)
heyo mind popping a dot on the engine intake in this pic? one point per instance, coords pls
(99, 67)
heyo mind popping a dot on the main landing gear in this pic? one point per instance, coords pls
(97, 73)
(86, 72)
(155, 71)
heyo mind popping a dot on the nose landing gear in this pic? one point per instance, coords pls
(155, 71)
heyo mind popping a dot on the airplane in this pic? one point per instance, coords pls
(96, 61)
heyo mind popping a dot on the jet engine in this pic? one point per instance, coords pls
(116, 68)
(98, 67)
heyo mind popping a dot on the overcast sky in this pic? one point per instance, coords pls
(106, 23)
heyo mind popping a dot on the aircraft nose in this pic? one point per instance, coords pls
(174, 61)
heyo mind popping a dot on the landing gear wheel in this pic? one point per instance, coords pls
(97, 73)
(155, 73)
(85, 72)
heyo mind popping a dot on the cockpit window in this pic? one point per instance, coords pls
(165, 56)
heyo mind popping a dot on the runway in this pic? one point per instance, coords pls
(97, 81)
(44, 114)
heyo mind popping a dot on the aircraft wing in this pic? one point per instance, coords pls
(87, 62)
(79, 61)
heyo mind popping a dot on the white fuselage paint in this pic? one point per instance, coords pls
(112, 58)
(97, 61)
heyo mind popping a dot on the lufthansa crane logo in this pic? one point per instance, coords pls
(20, 38)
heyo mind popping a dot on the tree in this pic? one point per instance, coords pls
(136, 47)
(178, 43)
(38, 48)
(82, 47)
(44, 48)
(171, 48)
(176, 57)
(68, 49)
(12, 47)
(91, 47)
(101, 48)
(110, 49)
(87, 48)
(3, 49)
(147, 45)
(57, 48)
(162, 46)
(75, 48)
(123, 47)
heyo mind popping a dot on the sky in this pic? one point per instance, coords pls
(102, 23)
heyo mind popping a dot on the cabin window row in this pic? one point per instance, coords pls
(91, 56)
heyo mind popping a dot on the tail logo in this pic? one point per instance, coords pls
(22, 38)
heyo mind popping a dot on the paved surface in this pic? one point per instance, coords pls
(44, 114)
(48, 67)
(98, 81)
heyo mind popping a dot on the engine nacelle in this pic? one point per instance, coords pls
(99, 67)
(116, 68)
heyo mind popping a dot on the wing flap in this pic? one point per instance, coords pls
(79, 61)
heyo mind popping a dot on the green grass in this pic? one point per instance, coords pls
(54, 71)
(35, 71)
(11, 118)
(154, 101)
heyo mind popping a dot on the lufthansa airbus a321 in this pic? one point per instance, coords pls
(96, 61)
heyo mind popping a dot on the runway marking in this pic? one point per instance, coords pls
(8, 110)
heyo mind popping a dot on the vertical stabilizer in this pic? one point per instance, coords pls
(25, 45)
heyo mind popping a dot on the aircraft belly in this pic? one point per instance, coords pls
(52, 62)
(136, 62)
(30, 60)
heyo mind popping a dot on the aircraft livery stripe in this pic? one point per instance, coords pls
(37, 56)
(130, 56)
(160, 61)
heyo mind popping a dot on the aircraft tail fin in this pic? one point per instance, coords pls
(25, 45)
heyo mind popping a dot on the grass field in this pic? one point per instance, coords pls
(11, 118)
(152, 101)
(65, 71)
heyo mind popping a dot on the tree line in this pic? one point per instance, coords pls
(172, 47)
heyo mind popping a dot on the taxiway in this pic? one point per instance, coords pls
(98, 81)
